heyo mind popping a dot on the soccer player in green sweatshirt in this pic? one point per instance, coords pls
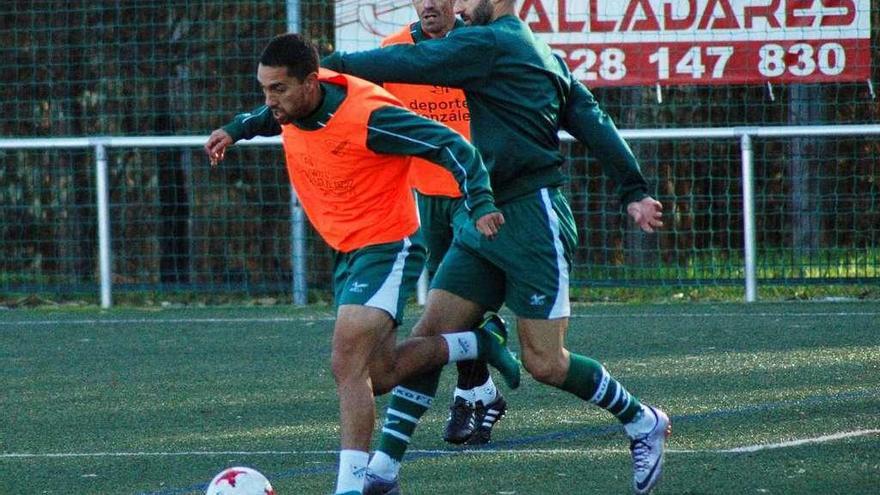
(519, 96)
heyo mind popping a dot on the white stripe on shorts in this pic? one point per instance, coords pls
(389, 293)
(561, 307)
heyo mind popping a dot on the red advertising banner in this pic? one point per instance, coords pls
(671, 42)
(739, 62)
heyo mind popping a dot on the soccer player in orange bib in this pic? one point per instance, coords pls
(347, 145)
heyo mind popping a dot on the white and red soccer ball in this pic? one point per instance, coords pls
(240, 481)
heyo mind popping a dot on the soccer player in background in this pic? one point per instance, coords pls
(519, 96)
(477, 403)
(347, 144)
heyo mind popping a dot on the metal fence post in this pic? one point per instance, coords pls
(297, 219)
(103, 224)
(298, 251)
(293, 23)
(748, 217)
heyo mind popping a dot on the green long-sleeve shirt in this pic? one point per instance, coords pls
(590, 125)
(391, 130)
(518, 95)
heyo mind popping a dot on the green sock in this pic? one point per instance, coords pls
(408, 403)
(590, 381)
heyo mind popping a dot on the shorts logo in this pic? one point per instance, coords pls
(537, 299)
(357, 287)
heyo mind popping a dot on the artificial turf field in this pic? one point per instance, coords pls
(779, 398)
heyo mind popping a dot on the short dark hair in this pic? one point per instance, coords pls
(293, 51)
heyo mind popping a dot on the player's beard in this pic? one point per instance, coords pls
(294, 108)
(297, 103)
(281, 117)
(482, 14)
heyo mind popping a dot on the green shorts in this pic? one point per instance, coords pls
(380, 276)
(436, 214)
(526, 266)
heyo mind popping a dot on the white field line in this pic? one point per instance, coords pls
(292, 319)
(130, 321)
(735, 450)
(804, 441)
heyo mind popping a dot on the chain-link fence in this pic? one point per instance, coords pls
(182, 68)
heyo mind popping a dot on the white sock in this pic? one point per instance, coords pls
(643, 423)
(384, 466)
(352, 471)
(462, 346)
(486, 392)
(467, 395)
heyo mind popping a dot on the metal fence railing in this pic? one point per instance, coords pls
(731, 246)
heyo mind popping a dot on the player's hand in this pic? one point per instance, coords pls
(646, 213)
(490, 223)
(216, 146)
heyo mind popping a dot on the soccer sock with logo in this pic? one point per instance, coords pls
(352, 469)
(590, 381)
(462, 346)
(409, 401)
(485, 392)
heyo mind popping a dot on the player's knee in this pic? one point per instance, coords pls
(346, 362)
(339, 366)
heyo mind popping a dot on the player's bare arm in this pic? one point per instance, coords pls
(647, 213)
(215, 146)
